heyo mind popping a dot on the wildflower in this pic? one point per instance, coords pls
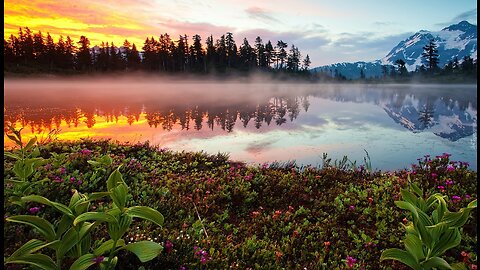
(404, 220)
(168, 246)
(278, 254)
(351, 261)
(255, 214)
(351, 207)
(317, 177)
(34, 210)
(290, 208)
(183, 268)
(456, 198)
(72, 179)
(450, 168)
(441, 187)
(467, 196)
(434, 175)
(296, 233)
(370, 200)
(63, 170)
(449, 182)
(48, 166)
(276, 214)
(326, 244)
(98, 260)
(58, 179)
(473, 266)
(85, 152)
(79, 182)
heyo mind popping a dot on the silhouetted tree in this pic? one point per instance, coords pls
(269, 54)
(260, 52)
(84, 60)
(430, 54)
(306, 63)
(402, 70)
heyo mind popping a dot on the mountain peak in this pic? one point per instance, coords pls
(463, 26)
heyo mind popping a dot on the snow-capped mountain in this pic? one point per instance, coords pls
(457, 40)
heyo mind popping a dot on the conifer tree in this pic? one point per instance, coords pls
(430, 54)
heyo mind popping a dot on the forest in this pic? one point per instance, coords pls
(38, 53)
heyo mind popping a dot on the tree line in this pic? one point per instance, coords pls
(430, 68)
(164, 54)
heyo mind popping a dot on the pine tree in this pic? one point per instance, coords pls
(49, 53)
(269, 54)
(231, 50)
(210, 54)
(306, 63)
(260, 53)
(84, 60)
(402, 70)
(430, 54)
(281, 54)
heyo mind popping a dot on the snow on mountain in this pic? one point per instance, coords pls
(457, 40)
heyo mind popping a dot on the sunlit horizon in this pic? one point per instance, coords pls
(329, 32)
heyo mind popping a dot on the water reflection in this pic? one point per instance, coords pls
(208, 111)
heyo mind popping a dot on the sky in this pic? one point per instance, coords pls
(328, 31)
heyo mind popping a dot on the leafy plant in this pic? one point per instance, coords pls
(27, 161)
(434, 230)
(71, 235)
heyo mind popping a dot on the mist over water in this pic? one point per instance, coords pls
(255, 120)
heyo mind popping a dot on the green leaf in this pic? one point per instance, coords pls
(83, 262)
(39, 260)
(63, 225)
(459, 266)
(114, 179)
(409, 197)
(107, 246)
(436, 262)
(30, 143)
(414, 246)
(416, 189)
(39, 199)
(472, 204)
(69, 240)
(97, 216)
(449, 239)
(437, 230)
(81, 207)
(11, 155)
(146, 213)
(45, 228)
(30, 247)
(145, 250)
(119, 195)
(399, 255)
(97, 195)
(86, 228)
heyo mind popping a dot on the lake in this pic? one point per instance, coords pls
(254, 121)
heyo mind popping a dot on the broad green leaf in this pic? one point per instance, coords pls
(416, 189)
(39, 260)
(86, 228)
(69, 240)
(74, 199)
(146, 213)
(436, 262)
(145, 250)
(409, 197)
(11, 155)
(30, 247)
(119, 195)
(30, 143)
(459, 266)
(39, 199)
(83, 262)
(399, 255)
(44, 227)
(81, 207)
(437, 230)
(107, 246)
(63, 225)
(414, 246)
(472, 204)
(457, 219)
(97, 216)
(97, 195)
(114, 179)
(449, 239)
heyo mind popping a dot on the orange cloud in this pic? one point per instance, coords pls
(98, 20)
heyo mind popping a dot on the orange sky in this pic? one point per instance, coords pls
(99, 21)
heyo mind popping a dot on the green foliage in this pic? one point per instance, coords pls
(258, 217)
(434, 230)
(26, 162)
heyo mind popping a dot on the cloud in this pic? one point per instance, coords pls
(175, 28)
(260, 14)
(470, 16)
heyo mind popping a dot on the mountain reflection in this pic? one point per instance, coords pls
(450, 113)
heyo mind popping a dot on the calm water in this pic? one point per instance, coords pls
(256, 122)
